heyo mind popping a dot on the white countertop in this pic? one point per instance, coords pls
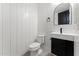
(63, 36)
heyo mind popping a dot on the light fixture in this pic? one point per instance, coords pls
(48, 19)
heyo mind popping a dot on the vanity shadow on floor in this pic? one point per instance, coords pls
(27, 53)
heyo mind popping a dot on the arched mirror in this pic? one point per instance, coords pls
(63, 14)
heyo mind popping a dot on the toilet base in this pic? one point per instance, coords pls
(37, 52)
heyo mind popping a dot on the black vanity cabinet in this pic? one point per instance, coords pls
(62, 47)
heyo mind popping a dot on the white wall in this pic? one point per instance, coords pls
(76, 21)
(45, 10)
(18, 23)
(76, 15)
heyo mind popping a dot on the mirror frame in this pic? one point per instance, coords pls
(70, 16)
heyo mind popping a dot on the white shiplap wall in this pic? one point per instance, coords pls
(0, 32)
(6, 29)
(18, 23)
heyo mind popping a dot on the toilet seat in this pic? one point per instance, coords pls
(34, 46)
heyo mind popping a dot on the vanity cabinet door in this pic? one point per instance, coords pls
(69, 48)
(62, 47)
(57, 47)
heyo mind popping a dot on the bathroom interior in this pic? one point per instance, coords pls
(39, 29)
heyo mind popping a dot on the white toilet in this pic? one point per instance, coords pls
(35, 47)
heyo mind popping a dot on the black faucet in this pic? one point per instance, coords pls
(61, 30)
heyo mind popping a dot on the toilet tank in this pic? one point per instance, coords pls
(41, 38)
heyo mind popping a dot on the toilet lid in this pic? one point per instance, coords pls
(34, 45)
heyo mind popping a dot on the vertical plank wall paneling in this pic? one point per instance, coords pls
(19, 28)
(0, 32)
(20, 41)
(13, 27)
(26, 26)
(6, 29)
